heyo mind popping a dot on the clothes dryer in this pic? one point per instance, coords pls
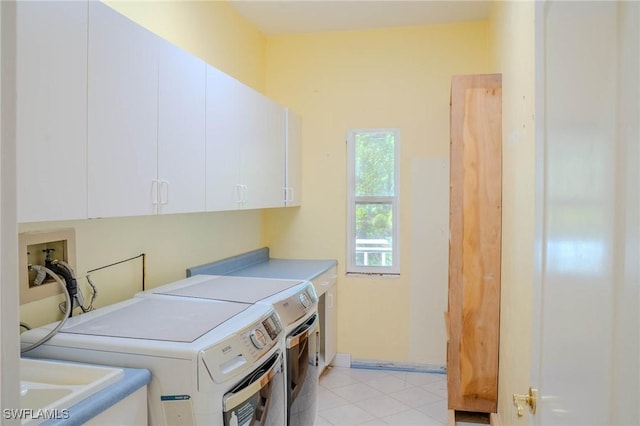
(296, 304)
(212, 362)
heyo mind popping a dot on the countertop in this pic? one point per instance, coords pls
(257, 263)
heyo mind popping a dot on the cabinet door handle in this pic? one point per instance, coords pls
(164, 192)
(330, 300)
(154, 192)
(288, 191)
(239, 194)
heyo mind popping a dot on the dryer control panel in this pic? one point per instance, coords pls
(242, 350)
(297, 305)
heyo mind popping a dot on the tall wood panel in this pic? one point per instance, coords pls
(475, 242)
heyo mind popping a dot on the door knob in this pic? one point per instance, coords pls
(520, 400)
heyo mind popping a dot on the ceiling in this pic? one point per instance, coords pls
(274, 17)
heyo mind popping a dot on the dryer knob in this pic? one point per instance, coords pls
(258, 338)
(304, 300)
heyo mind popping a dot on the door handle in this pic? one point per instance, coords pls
(519, 400)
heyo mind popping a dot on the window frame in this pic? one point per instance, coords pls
(352, 200)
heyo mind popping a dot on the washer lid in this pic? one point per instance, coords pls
(172, 320)
(235, 289)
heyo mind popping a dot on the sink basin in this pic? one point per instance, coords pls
(49, 387)
(35, 398)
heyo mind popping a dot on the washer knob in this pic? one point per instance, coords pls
(258, 338)
(304, 300)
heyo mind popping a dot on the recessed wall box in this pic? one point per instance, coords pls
(33, 249)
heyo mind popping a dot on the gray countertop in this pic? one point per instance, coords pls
(257, 263)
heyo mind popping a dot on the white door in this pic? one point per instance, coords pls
(585, 357)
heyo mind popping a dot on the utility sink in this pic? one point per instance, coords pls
(47, 387)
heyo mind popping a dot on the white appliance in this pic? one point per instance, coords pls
(296, 303)
(212, 362)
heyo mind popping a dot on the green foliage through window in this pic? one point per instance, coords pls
(373, 201)
(375, 162)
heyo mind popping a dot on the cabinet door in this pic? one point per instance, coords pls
(123, 115)
(227, 100)
(331, 324)
(262, 159)
(293, 185)
(181, 131)
(51, 110)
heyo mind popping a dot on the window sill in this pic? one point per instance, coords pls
(386, 275)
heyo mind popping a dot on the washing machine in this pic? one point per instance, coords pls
(212, 362)
(296, 302)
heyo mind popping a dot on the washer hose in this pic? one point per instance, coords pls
(40, 268)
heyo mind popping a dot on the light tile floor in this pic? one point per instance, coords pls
(350, 396)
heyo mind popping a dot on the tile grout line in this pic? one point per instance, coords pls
(352, 378)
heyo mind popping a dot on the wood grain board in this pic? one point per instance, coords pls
(475, 244)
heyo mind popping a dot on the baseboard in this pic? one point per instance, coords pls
(398, 366)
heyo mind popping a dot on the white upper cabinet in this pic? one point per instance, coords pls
(51, 110)
(262, 157)
(293, 185)
(245, 146)
(114, 121)
(123, 115)
(226, 99)
(181, 131)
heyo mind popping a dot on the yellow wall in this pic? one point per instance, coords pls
(512, 44)
(397, 77)
(217, 34)
(171, 243)
(211, 30)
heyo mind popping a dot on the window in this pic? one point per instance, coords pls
(372, 223)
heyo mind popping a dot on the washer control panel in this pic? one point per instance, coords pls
(258, 338)
(243, 349)
(305, 300)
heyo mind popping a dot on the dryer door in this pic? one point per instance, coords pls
(302, 373)
(258, 400)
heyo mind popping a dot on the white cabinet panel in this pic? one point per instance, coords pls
(327, 289)
(123, 115)
(226, 100)
(331, 325)
(262, 159)
(181, 131)
(51, 110)
(245, 146)
(293, 177)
